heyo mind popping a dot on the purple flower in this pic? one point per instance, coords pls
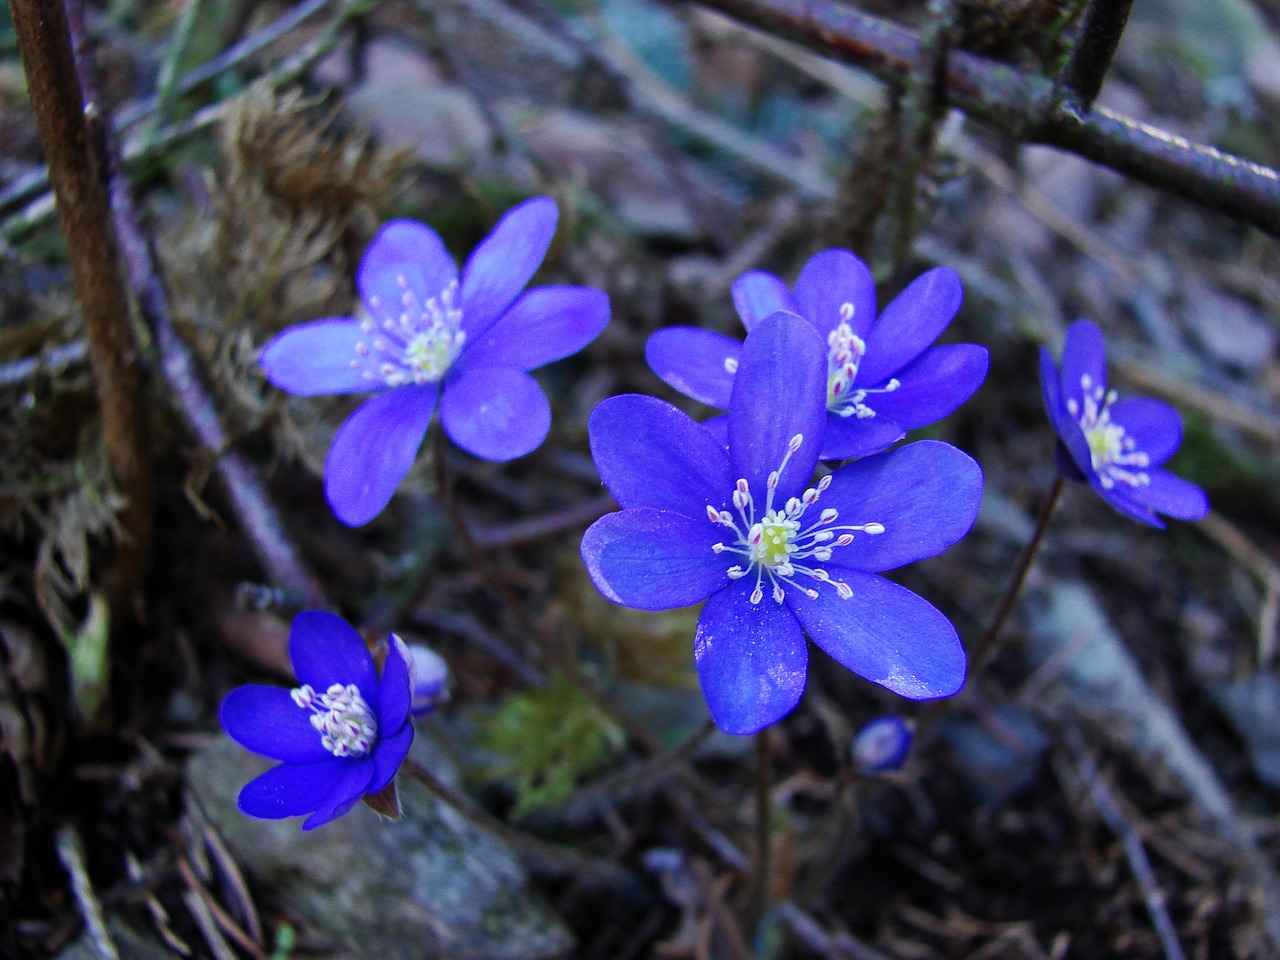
(423, 336)
(1115, 445)
(882, 377)
(774, 556)
(342, 734)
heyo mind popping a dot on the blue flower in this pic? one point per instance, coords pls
(1114, 445)
(773, 555)
(882, 376)
(342, 734)
(423, 336)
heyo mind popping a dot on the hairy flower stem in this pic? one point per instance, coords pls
(1104, 22)
(69, 127)
(987, 644)
(764, 764)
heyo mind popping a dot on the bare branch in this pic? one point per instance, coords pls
(1025, 106)
(1104, 22)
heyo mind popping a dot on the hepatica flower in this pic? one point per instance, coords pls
(1116, 446)
(774, 555)
(423, 336)
(882, 376)
(339, 736)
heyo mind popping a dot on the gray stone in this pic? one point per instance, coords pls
(432, 885)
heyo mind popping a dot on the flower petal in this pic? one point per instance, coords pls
(409, 250)
(779, 392)
(1083, 355)
(374, 449)
(1172, 496)
(1154, 425)
(650, 454)
(849, 437)
(325, 650)
(395, 688)
(348, 786)
(926, 494)
(698, 363)
(289, 790)
(757, 295)
(827, 282)
(315, 358)
(544, 324)
(495, 413)
(1121, 500)
(911, 321)
(505, 262)
(933, 385)
(1072, 438)
(267, 721)
(387, 757)
(654, 559)
(752, 659)
(885, 633)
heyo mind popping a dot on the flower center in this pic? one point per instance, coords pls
(414, 342)
(341, 716)
(845, 350)
(1114, 454)
(779, 546)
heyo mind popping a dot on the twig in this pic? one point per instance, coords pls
(1104, 22)
(71, 853)
(764, 811)
(601, 871)
(18, 371)
(69, 123)
(545, 525)
(218, 915)
(248, 497)
(840, 946)
(1131, 840)
(1025, 106)
(25, 188)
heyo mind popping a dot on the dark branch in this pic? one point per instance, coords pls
(1104, 22)
(1025, 106)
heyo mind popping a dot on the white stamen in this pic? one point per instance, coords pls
(346, 725)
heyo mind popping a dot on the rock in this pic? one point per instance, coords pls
(1252, 704)
(432, 885)
(1231, 330)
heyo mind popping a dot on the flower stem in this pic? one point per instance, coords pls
(764, 758)
(986, 645)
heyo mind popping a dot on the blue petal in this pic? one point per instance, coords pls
(828, 281)
(409, 250)
(757, 295)
(926, 494)
(387, 757)
(348, 786)
(395, 688)
(505, 262)
(1072, 438)
(655, 559)
(779, 392)
(325, 650)
(1119, 499)
(849, 437)
(649, 454)
(911, 322)
(315, 358)
(545, 324)
(374, 449)
(1172, 496)
(718, 427)
(933, 385)
(495, 413)
(1083, 355)
(267, 721)
(289, 790)
(885, 633)
(1154, 425)
(751, 659)
(698, 363)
